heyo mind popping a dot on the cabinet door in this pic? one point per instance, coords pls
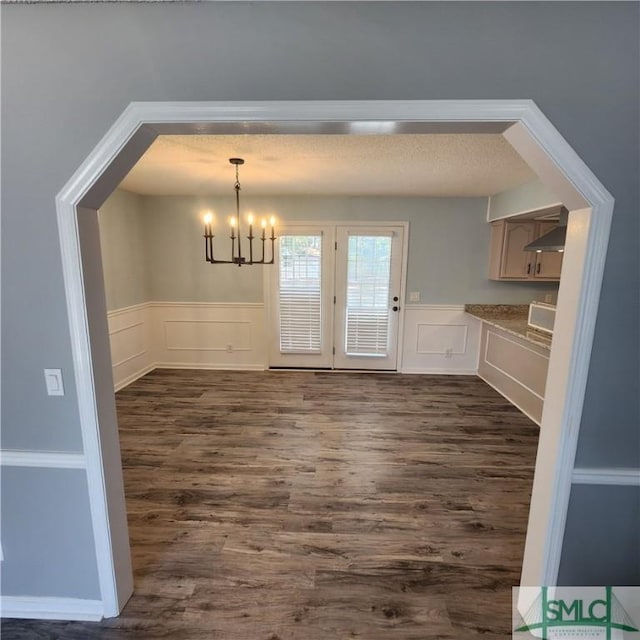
(548, 263)
(516, 262)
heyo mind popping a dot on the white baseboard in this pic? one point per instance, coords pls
(121, 384)
(186, 365)
(504, 395)
(439, 372)
(209, 366)
(51, 608)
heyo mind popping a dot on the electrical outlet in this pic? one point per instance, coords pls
(448, 352)
(548, 297)
(229, 348)
(414, 296)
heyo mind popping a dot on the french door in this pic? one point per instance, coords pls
(334, 297)
(368, 276)
(300, 298)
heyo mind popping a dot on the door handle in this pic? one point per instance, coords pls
(395, 308)
(538, 268)
(528, 268)
(395, 298)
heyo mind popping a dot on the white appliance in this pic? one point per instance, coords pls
(542, 316)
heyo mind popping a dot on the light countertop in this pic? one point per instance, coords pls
(512, 318)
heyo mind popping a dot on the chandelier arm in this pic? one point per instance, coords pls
(233, 245)
(237, 189)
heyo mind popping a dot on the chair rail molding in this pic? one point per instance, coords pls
(618, 476)
(50, 608)
(528, 131)
(42, 459)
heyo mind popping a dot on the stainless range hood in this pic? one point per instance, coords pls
(553, 240)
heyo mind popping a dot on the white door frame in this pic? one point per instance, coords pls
(530, 133)
(269, 293)
(400, 254)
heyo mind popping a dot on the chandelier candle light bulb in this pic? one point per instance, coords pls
(208, 233)
(208, 219)
(237, 257)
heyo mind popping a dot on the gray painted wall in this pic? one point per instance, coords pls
(448, 247)
(124, 250)
(521, 199)
(598, 550)
(45, 510)
(64, 83)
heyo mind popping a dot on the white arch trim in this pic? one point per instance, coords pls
(531, 134)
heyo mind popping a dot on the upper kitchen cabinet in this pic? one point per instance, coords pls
(548, 263)
(510, 261)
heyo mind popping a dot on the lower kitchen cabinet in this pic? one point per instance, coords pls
(514, 367)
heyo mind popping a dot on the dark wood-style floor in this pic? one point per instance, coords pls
(317, 506)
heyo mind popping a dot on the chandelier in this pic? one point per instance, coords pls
(236, 248)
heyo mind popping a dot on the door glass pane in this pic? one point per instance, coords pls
(300, 293)
(368, 281)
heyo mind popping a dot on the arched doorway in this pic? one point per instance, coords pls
(522, 124)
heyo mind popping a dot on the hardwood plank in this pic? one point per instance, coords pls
(273, 505)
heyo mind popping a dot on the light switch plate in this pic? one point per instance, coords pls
(414, 296)
(53, 380)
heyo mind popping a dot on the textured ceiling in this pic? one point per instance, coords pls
(409, 165)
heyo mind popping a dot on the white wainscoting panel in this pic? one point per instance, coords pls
(208, 335)
(515, 368)
(440, 339)
(131, 353)
(437, 338)
(505, 355)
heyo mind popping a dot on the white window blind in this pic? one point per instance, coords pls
(368, 281)
(300, 293)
